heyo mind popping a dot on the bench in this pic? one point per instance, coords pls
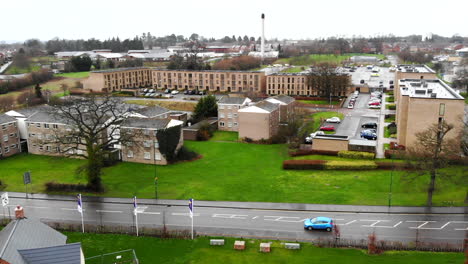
(292, 245)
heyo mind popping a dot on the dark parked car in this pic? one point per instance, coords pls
(390, 82)
(362, 81)
(369, 125)
(367, 134)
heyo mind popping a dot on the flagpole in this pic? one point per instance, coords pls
(82, 222)
(135, 212)
(193, 215)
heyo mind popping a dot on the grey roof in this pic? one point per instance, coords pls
(27, 112)
(153, 111)
(284, 98)
(46, 117)
(265, 105)
(209, 120)
(26, 233)
(64, 254)
(154, 123)
(6, 119)
(121, 69)
(231, 100)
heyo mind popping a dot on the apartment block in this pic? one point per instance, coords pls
(228, 116)
(9, 136)
(259, 121)
(212, 81)
(413, 71)
(145, 147)
(122, 79)
(286, 106)
(303, 84)
(424, 102)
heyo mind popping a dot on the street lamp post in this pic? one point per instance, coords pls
(156, 187)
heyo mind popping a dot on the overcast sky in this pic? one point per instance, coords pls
(295, 19)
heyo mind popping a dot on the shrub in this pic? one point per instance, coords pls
(350, 165)
(185, 154)
(304, 164)
(391, 106)
(66, 187)
(388, 165)
(205, 132)
(390, 99)
(313, 152)
(356, 154)
(390, 93)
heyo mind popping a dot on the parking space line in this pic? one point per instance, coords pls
(229, 216)
(107, 211)
(421, 225)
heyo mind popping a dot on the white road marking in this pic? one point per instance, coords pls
(36, 207)
(107, 211)
(350, 222)
(150, 213)
(373, 224)
(71, 209)
(421, 225)
(230, 216)
(185, 214)
(284, 219)
(433, 228)
(460, 222)
(255, 217)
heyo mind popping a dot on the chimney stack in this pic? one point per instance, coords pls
(19, 212)
(262, 47)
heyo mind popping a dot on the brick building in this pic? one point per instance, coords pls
(228, 107)
(122, 79)
(9, 136)
(304, 84)
(144, 147)
(259, 121)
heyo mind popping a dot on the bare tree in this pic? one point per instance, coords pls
(431, 153)
(325, 79)
(91, 128)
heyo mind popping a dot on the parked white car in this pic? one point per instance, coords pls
(333, 120)
(175, 92)
(312, 135)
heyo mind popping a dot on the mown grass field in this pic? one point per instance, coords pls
(172, 105)
(311, 59)
(321, 116)
(233, 171)
(225, 136)
(74, 74)
(154, 250)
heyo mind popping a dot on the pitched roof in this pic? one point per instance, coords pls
(261, 107)
(154, 123)
(6, 119)
(64, 254)
(27, 112)
(46, 117)
(283, 98)
(232, 100)
(26, 233)
(153, 111)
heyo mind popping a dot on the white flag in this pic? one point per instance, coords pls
(5, 200)
(80, 204)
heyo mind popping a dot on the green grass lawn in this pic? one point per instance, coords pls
(390, 99)
(319, 102)
(310, 59)
(294, 70)
(238, 172)
(390, 119)
(390, 106)
(74, 74)
(318, 117)
(225, 136)
(154, 250)
(18, 70)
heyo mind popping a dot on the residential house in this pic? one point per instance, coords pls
(286, 104)
(228, 107)
(259, 121)
(144, 147)
(9, 136)
(27, 241)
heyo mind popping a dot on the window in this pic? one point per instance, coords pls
(156, 145)
(229, 115)
(48, 148)
(54, 126)
(7, 149)
(157, 156)
(235, 124)
(46, 126)
(42, 148)
(221, 115)
(221, 124)
(12, 135)
(442, 109)
(38, 124)
(146, 132)
(39, 136)
(229, 124)
(13, 146)
(130, 154)
(235, 115)
(147, 143)
(229, 107)
(5, 138)
(3, 127)
(147, 155)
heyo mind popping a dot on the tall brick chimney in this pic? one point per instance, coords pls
(19, 212)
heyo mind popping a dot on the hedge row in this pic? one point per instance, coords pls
(67, 187)
(313, 152)
(350, 165)
(388, 165)
(356, 155)
(304, 164)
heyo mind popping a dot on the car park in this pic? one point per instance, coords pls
(327, 128)
(167, 91)
(374, 103)
(320, 223)
(367, 134)
(145, 90)
(151, 91)
(374, 106)
(333, 120)
(350, 106)
(369, 125)
(186, 92)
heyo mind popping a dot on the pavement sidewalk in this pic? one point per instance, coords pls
(254, 205)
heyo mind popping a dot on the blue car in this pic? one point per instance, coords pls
(324, 223)
(369, 134)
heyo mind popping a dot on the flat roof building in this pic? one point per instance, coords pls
(422, 103)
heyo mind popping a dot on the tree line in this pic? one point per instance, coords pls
(114, 44)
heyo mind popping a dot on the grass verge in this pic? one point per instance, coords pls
(319, 102)
(225, 136)
(74, 74)
(154, 250)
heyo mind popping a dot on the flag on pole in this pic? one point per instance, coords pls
(190, 206)
(135, 206)
(80, 204)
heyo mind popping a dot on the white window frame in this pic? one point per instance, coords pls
(54, 126)
(147, 155)
(7, 149)
(46, 126)
(156, 145)
(221, 115)
(38, 124)
(157, 156)
(235, 124)
(129, 154)
(229, 124)
(221, 106)
(147, 143)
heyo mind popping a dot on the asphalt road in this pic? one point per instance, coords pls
(278, 224)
